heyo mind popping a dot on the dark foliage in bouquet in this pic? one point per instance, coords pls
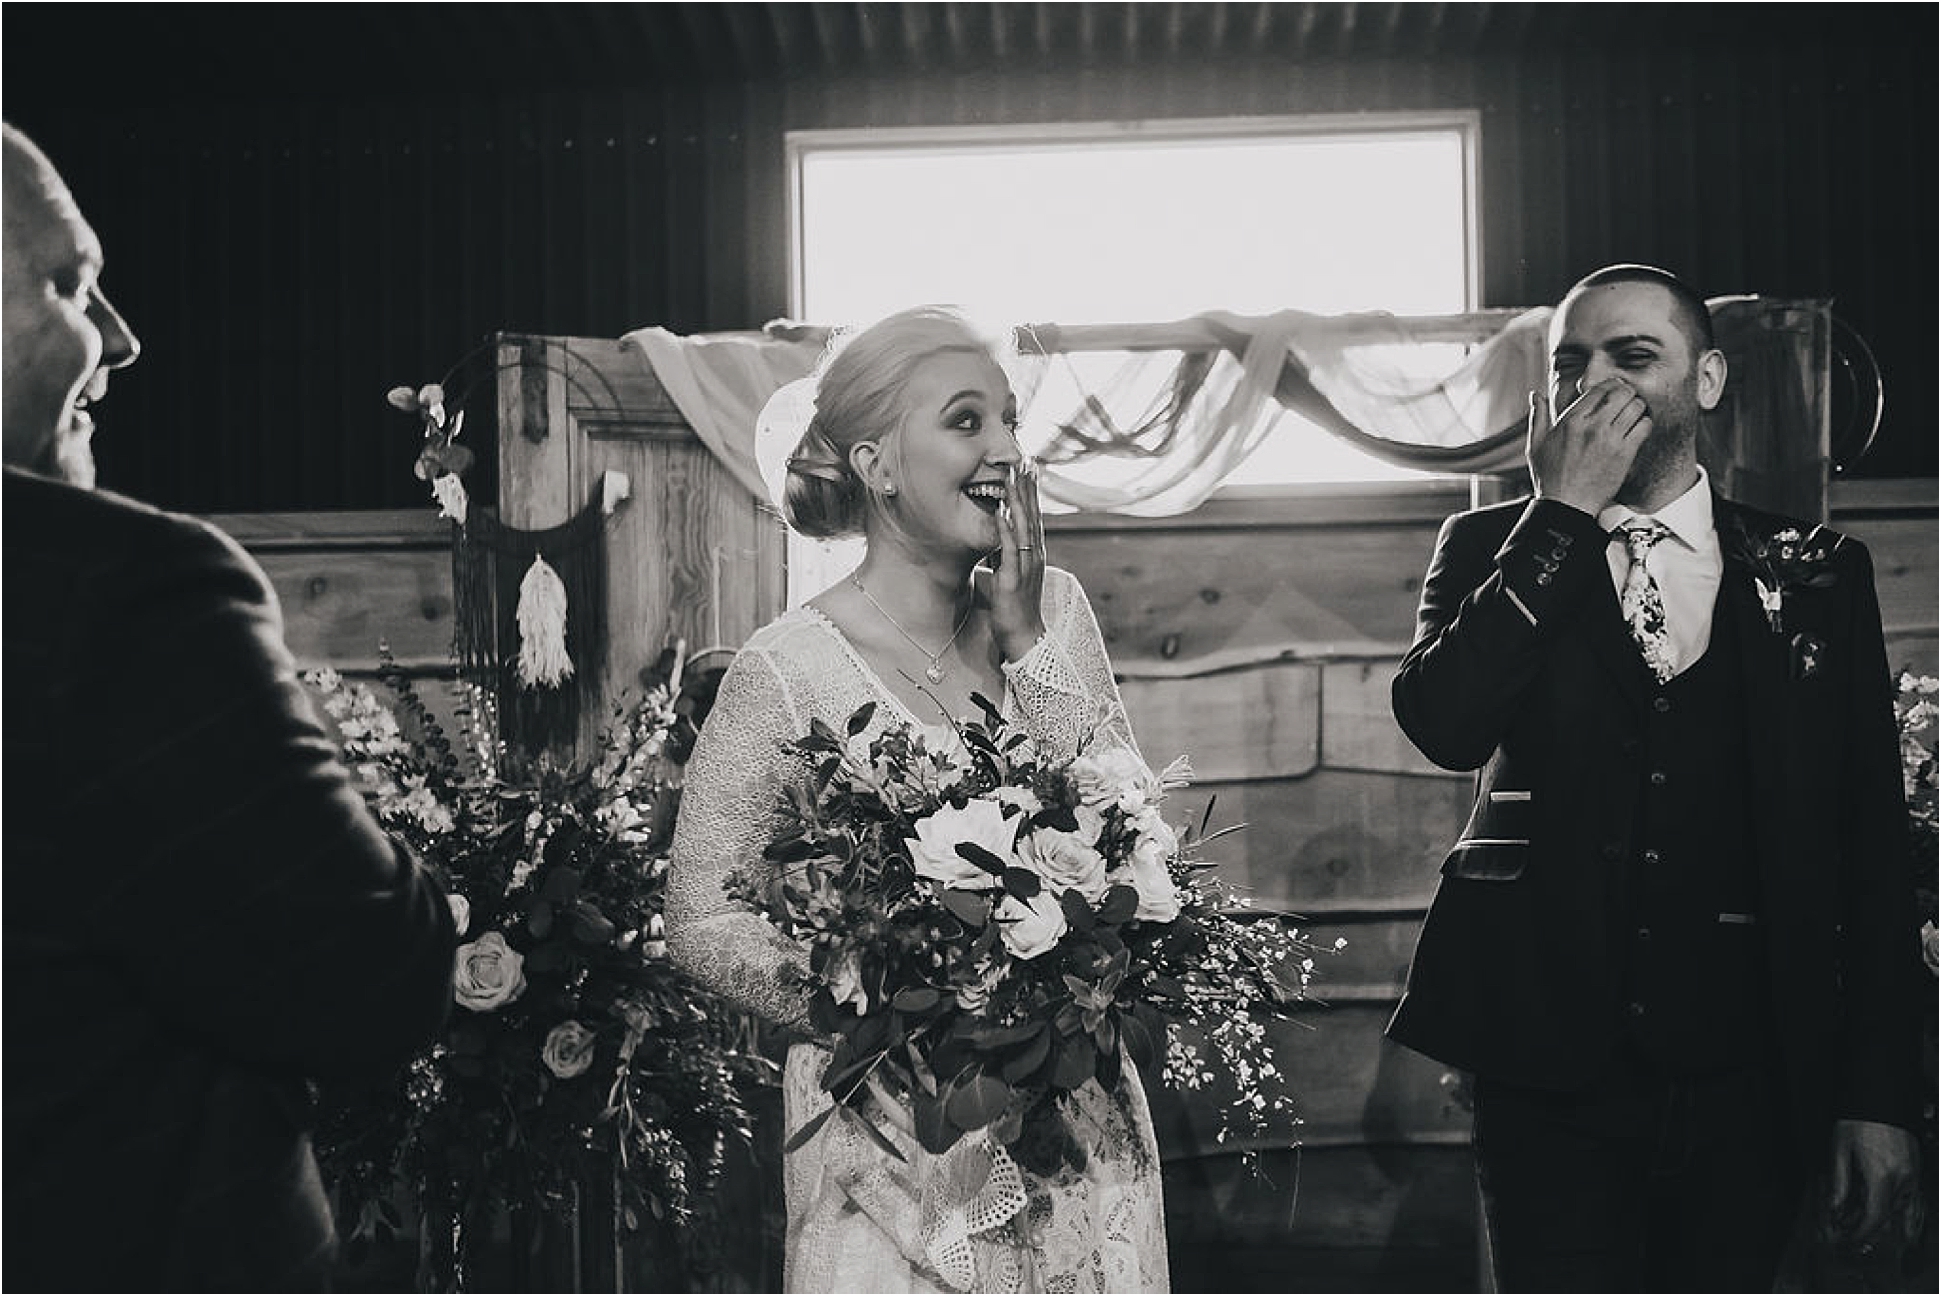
(576, 1052)
(987, 929)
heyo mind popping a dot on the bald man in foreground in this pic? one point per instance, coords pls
(201, 916)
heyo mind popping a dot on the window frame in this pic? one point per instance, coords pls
(1466, 123)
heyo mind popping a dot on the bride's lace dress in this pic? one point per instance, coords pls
(859, 1220)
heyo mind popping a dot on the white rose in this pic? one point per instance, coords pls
(934, 849)
(490, 973)
(1158, 897)
(1030, 927)
(1114, 776)
(461, 911)
(1066, 861)
(568, 1050)
(1018, 798)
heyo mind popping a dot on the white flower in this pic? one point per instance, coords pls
(1022, 799)
(1156, 846)
(489, 973)
(568, 1050)
(1177, 774)
(1114, 776)
(461, 911)
(1066, 861)
(846, 982)
(449, 491)
(1030, 927)
(972, 998)
(934, 849)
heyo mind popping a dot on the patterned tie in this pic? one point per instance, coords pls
(1642, 603)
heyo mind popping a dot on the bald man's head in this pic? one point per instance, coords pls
(61, 336)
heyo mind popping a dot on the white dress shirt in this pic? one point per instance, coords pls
(1687, 564)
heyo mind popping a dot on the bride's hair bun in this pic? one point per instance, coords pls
(858, 400)
(823, 498)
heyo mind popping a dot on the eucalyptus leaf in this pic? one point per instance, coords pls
(1022, 883)
(1024, 1065)
(876, 1136)
(1060, 817)
(1120, 903)
(967, 907)
(810, 1130)
(981, 857)
(978, 1101)
(916, 999)
(933, 1125)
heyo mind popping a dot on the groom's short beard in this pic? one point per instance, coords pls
(1665, 452)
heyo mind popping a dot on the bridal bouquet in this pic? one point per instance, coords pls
(986, 929)
(576, 1054)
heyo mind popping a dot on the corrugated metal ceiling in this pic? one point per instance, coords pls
(322, 48)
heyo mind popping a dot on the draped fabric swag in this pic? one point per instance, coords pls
(1148, 419)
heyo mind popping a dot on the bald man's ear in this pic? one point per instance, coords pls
(1711, 378)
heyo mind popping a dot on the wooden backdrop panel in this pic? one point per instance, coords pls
(690, 555)
(1343, 839)
(1259, 723)
(1245, 579)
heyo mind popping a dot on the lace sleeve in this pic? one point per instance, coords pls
(727, 816)
(1064, 684)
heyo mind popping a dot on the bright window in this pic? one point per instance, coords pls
(1146, 222)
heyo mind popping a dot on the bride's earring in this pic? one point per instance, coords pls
(889, 488)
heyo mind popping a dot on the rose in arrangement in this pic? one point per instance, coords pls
(992, 929)
(490, 973)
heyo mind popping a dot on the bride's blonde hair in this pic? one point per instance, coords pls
(859, 399)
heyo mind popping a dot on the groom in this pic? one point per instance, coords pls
(1675, 943)
(201, 917)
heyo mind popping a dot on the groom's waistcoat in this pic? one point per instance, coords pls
(1688, 935)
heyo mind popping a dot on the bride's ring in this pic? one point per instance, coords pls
(1026, 548)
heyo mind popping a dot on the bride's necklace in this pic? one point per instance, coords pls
(934, 672)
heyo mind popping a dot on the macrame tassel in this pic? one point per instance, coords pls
(542, 628)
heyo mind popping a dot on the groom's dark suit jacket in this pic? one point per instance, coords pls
(200, 915)
(1518, 971)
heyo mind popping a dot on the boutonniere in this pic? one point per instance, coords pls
(1784, 561)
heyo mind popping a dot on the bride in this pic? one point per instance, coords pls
(911, 444)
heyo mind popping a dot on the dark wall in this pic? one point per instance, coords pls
(292, 233)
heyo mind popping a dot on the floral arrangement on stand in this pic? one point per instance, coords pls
(576, 1053)
(987, 928)
(1917, 706)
